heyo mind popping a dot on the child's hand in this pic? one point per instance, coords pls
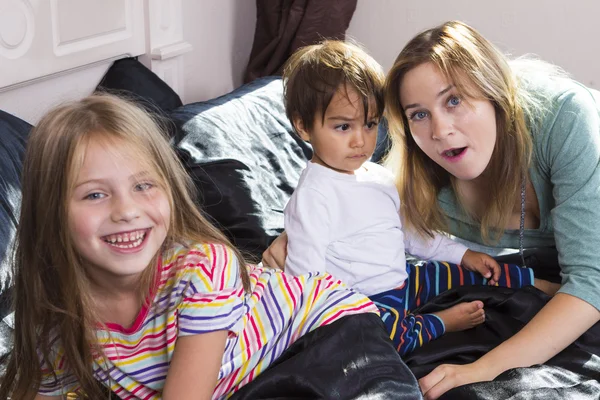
(482, 263)
(275, 255)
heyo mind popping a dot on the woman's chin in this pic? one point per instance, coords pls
(465, 173)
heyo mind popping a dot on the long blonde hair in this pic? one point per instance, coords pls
(52, 296)
(478, 70)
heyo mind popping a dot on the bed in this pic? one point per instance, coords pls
(56, 50)
(245, 160)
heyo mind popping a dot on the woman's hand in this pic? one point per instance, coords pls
(482, 263)
(541, 339)
(276, 254)
(448, 376)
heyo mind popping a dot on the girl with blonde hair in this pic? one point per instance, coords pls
(503, 154)
(122, 285)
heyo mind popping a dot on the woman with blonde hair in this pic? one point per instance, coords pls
(500, 154)
(504, 154)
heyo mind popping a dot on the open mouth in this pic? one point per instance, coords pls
(127, 240)
(452, 153)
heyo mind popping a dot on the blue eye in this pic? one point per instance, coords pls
(342, 127)
(94, 196)
(141, 187)
(453, 101)
(418, 115)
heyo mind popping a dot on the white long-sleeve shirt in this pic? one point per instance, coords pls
(350, 226)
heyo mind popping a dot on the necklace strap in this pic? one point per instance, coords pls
(522, 221)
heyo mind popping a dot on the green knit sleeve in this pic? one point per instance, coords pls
(570, 153)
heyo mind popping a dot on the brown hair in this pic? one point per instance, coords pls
(52, 298)
(478, 70)
(313, 74)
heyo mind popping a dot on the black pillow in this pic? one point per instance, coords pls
(132, 77)
(244, 158)
(13, 137)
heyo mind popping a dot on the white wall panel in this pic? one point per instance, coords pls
(43, 37)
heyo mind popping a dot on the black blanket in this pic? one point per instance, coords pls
(317, 366)
(572, 374)
(349, 359)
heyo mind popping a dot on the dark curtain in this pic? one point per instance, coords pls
(283, 26)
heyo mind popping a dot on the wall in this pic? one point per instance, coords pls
(566, 33)
(222, 33)
(31, 102)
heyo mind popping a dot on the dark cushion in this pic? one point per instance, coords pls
(130, 77)
(13, 136)
(244, 158)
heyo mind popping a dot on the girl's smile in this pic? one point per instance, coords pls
(128, 242)
(119, 214)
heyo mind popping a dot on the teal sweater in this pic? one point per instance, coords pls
(565, 173)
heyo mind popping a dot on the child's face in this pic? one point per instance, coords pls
(118, 215)
(343, 142)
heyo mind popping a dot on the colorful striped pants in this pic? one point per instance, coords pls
(409, 331)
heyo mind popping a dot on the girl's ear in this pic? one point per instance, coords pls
(299, 126)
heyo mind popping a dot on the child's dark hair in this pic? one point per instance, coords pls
(313, 74)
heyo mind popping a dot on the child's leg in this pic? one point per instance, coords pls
(437, 277)
(516, 277)
(513, 276)
(407, 331)
(430, 279)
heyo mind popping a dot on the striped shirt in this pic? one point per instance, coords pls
(200, 290)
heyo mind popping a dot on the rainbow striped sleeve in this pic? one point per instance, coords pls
(213, 298)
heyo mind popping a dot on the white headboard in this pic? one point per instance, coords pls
(55, 50)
